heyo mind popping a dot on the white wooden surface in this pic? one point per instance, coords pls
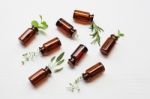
(127, 74)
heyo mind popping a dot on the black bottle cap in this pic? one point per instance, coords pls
(41, 49)
(35, 28)
(91, 17)
(48, 70)
(114, 37)
(85, 76)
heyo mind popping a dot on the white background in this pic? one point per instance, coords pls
(127, 74)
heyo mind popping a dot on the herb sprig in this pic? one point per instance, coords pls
(55, 62)
(119, 34)
(75, 84)
(96, 30)
(40, 25)
(29, 56)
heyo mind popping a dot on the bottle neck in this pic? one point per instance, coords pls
(91, 17)
(47, 70)
(41, 49)
(34, 28)
(74, 32)
(85, 76)
(114, 37)
(72, 61)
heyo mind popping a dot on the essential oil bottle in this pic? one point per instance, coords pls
(93, 71)
(82, 16)
(77, 55)
(110, 43)
(28, 35)
(50, 45)
(66, 28)
(40, 75)
(89, 75)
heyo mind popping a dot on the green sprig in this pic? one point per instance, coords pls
(119, 34)
(40, 25)
(29, 56)
(55, 62)
(75, 84)
(96, 30)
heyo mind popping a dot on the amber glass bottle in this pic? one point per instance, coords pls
(40, 75)
(93, 71)
(28, 35)
(50, 45)
(108, 44)
(82, 16)
(77, 55)
(66, 28)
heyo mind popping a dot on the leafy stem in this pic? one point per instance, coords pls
(75, 84)
(96, 30)
(29, 56)
(40, 25)
(119, 34)
(55, 62)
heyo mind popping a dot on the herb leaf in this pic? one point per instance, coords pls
(120, 34)
(75, 84)
(58, 68)
(96, 30)
(53, 58)
(35, 23)
(55, 62)
(29, 56)
(42, 25)
(41, 17)
(60, 62)
(60, 57)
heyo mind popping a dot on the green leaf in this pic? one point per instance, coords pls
(92, 27)
(60, 62)
(27, 58)
(58, 68)
(25, 54)
(53, 58)
(41, 17)
(35, 23)
(97, 39)
(96, 33)
(100, 29)
(60, 57)
(120, 34)
(93, 35)
(94, 41)
(22, 62)
(75, 84)
(43, 25)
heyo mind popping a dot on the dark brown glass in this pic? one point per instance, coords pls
(40, 75)
(77, 55)
(65, 27)
(82, 16)
(93, 71)
(28, 35)
(50, 45)
(108, 44)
